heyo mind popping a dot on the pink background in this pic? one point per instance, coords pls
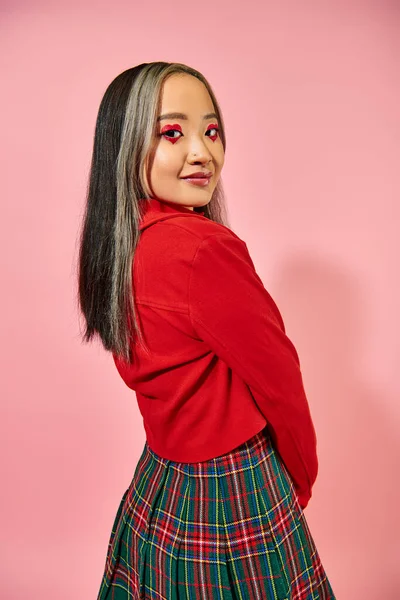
(310, 93)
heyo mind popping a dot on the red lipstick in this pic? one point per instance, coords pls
(199, 178)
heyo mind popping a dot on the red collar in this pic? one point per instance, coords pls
(155, 210)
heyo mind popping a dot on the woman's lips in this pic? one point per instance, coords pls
(199, 181)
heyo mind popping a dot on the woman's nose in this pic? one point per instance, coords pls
(199, 153)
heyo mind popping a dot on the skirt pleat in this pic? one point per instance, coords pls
(229, 528)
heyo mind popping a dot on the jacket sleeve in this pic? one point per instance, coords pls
(234, 314)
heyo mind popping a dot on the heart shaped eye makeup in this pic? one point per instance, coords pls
(176, 127)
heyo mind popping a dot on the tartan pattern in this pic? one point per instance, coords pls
(229, 528)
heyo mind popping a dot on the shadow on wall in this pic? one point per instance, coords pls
(353, 512)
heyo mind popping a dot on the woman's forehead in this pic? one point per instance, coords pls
(186, 95)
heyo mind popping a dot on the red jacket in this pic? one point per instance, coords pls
(220, 365)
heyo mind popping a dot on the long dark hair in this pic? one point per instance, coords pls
(124, 136)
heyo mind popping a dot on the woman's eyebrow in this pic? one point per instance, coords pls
(178, 115)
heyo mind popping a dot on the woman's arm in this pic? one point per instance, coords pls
(234, 314)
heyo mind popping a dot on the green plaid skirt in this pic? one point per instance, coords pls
(229, 528)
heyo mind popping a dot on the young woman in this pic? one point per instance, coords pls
(215, 507)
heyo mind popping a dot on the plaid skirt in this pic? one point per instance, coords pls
(229, 528)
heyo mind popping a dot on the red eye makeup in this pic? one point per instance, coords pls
(171, 128)
(213, 126)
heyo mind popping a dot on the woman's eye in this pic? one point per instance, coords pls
(214, 135)
(213, 132)
(171, 131)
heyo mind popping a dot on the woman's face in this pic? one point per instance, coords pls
(186, 143)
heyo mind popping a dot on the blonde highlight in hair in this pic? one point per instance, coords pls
(123, 144)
